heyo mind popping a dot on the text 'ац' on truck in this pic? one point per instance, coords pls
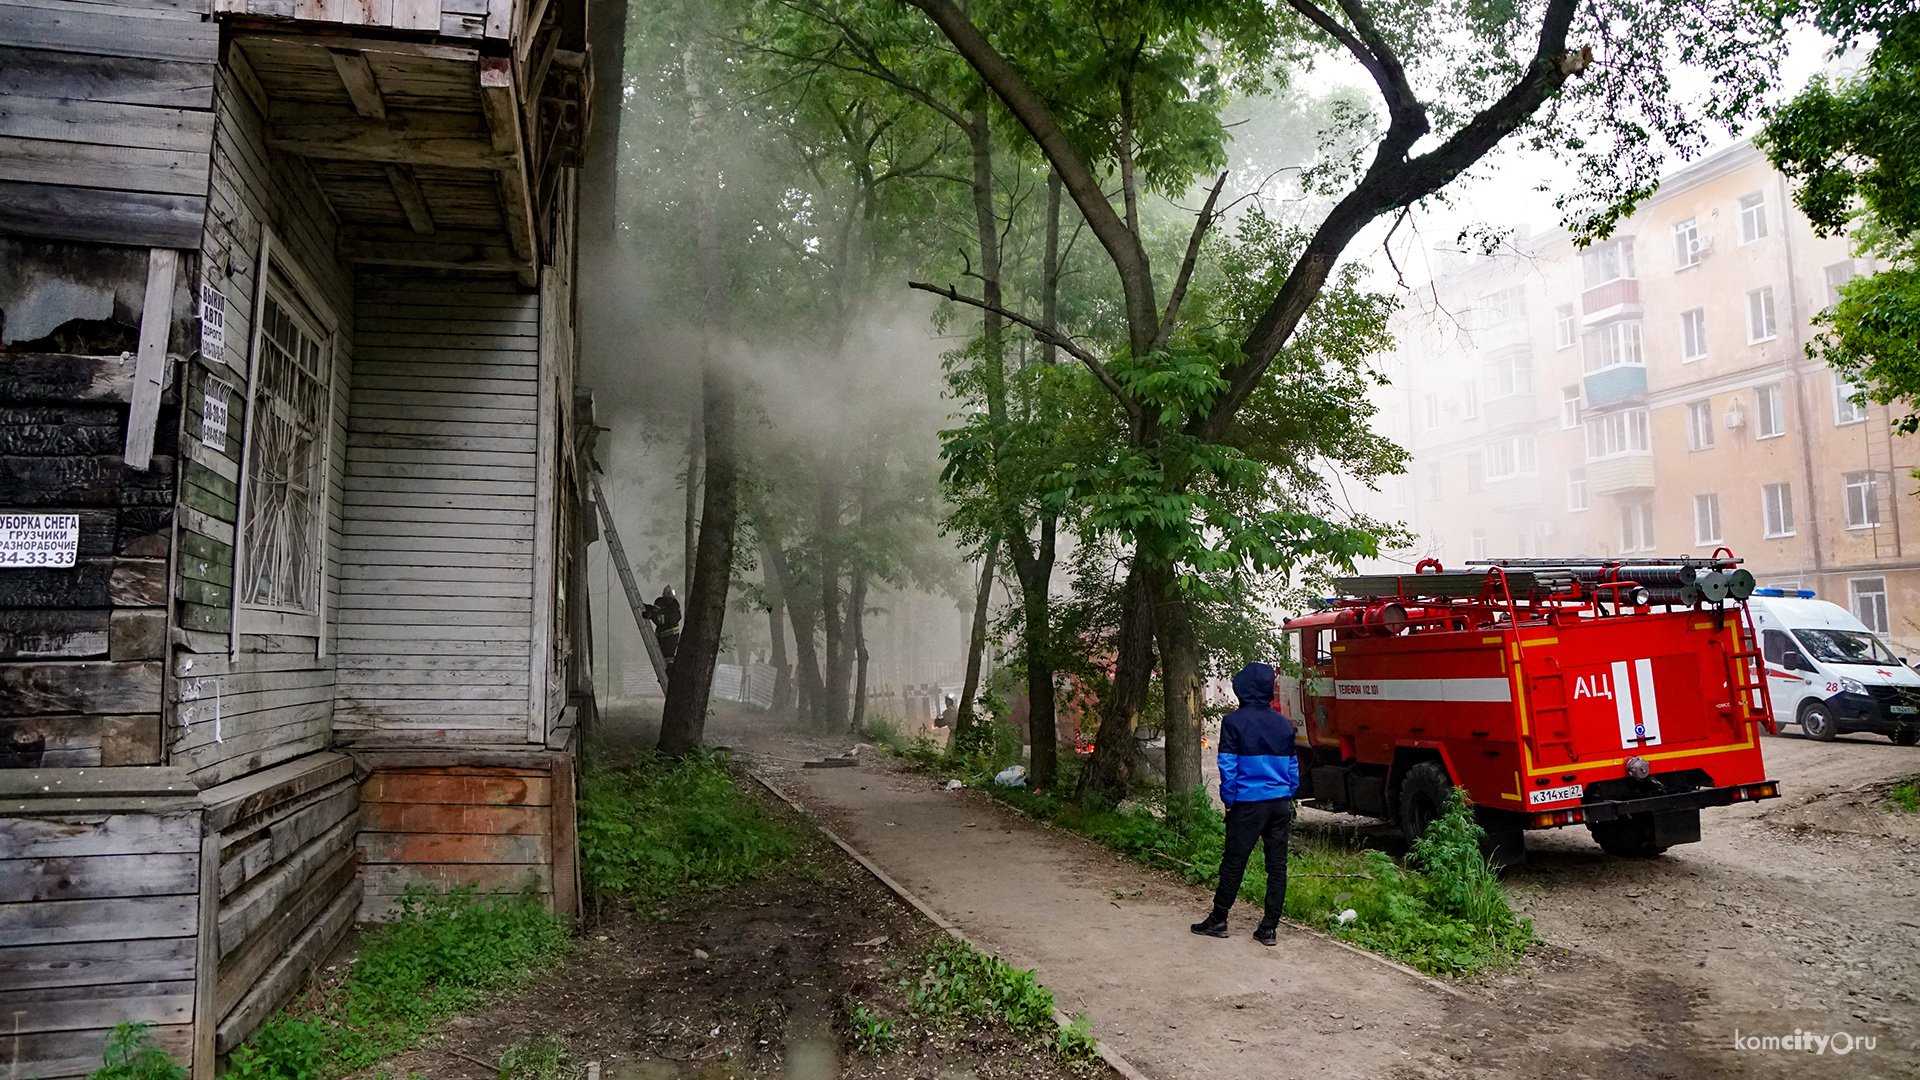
(1623, 695)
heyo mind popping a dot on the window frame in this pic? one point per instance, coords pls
(1686, 244)
(1620, 343)
(1884, 619)
(1578, 498)
(1843, 392)
(1710, 502)
(281, 280)
(1769, 404)
(1636, 524)
(1867, 483)
(1693, 325)
(1700, 436)
(1635, 433)
(1833, 286)
(1766, 313)
(1776, 498)
(1470, 400)
(1615, 256)
(1566, 327)
(1574, 417)
(1752, 211)
(1476, 472)
(1522, 454)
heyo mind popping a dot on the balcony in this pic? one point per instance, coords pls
(1506, 334)
(1514, 493)
(1616, 298)
(1616, 385)
(1507, 413)
(1621, 474)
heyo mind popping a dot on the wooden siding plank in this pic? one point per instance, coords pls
(99, 920)
(379, 848)
(55, 1054)
(419, 787)
(79, 686)
(96, 963)
(242, 967)
(78, 1008)
(432, 818)
(97, 877)
(392, 879)
(268, 790)
(250, 909)
(65, 212)
(296, 962)
(104, 30)
(89, 165)
(44, 73)
(108, 123)
(71, 836)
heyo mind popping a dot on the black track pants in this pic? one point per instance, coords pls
(1247, 824)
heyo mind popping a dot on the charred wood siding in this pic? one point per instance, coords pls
(272, 701)
(82, 647)
(436, 559)
(105, 113)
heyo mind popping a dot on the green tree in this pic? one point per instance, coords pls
(1454, 79)
(1852, 147)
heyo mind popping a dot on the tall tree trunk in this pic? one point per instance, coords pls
(1034, 567)
(963, 721)
(1180, 680)
(690, 535)
(800, 613)
(830, 709)
(857, 635)
(782, 670)
(1109, 772)
(683, 718)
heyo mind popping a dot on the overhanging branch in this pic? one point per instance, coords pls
(1042, 334)
(1179, 292)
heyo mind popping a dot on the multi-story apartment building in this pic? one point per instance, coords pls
(1652, 395)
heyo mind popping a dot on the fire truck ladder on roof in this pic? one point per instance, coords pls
(619, 556)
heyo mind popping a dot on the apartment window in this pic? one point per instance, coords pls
(1869, 603)
(1609, 261)
(1863, 500)
(1565, 328)
(1700, 425)
(1470, 400)
(1436, 482)
(1512, 374)
(1706, 519)
(1753, 217)
(1476, 472)
(1760, 321)
(1615, 344)
(1845, 409)
(1430, 411)
(1636, 527)
(1570, 407)
(1612, 434)
(1769, 414)
(1776, 509)
(1837, 275)
(1693, 334)
(1479, 544)
(1576, 489)
(1512, 457)
(1686, 244)
(1509, 304)
(280, 567)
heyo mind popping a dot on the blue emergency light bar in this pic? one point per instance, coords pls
(1804, 594)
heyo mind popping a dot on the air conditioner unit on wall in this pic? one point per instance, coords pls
(1735, 419)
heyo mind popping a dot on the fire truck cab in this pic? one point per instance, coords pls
(1550, 692)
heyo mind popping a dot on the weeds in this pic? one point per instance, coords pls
(959, 980)
(131, 1055)
(540, 1058)
(1906, 794)
(1076, 1041)
(1444, 913)
(659, 825)
(872, 1033)
(444, 953)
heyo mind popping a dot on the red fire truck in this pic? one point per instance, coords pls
(1624, 695)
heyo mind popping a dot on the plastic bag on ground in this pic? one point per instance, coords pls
(954, 785)
(1011, 776)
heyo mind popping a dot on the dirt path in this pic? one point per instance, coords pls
(1648, 970)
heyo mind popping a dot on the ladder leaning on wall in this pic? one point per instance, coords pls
(619, 556)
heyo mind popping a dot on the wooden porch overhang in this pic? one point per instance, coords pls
(430, 154)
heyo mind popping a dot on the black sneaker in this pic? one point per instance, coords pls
(1264, 934)
(1214, 925)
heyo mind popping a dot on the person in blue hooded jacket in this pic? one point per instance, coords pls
(1259, 772)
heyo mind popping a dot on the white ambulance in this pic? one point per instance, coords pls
(1828, 673)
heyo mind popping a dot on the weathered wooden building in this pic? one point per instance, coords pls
(291, 466)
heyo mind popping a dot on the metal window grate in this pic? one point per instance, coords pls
(290, 400)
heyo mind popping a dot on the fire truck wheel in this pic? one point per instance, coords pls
(1906, 736)
(1423, 797)
(1817, 722)
(1630, 837)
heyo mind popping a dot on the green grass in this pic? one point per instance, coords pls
(957, 981)
(1906, 795)
(658, 826)
(443, 954)
(540, 1058)
(1442, 911)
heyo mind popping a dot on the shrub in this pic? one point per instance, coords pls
(131, 1055)
(660, 824)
